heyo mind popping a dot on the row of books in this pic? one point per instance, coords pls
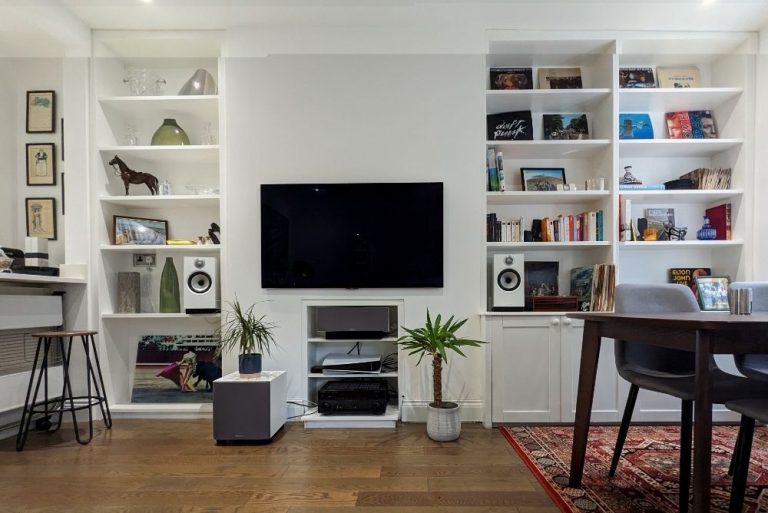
(593, 286)
(586, 226)
(709, 178)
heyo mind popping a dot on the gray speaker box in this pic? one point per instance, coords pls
(251, 409)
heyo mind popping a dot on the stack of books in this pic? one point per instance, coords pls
(593, 286)
(710, 178)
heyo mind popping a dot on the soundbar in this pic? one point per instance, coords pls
(355, 334)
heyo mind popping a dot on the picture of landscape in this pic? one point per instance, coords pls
(542, 179)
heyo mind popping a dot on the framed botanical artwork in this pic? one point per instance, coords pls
(41, 111)
(713, 292)
(139, 231)
(41, 164)
(542, 178)
(41, 217)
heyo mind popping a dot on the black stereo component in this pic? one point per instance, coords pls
(353, 398)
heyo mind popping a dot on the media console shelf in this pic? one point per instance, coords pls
(350, 316)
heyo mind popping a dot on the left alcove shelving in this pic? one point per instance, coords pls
(123, 124)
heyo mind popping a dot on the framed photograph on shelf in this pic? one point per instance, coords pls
(560, 78)
(511, 78)
(41, 164)
(41, 112)
(139, 231)
(541, 278)
(542, 178)
(713, 292)
(633, 78)
(41, 217)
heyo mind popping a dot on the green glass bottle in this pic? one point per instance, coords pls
(170, 301)
(170, 134)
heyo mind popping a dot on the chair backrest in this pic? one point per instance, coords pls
(668, 298)
(754, 365)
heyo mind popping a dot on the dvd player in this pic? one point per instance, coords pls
(353, 398)
(351, 364)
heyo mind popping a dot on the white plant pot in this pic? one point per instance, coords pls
(444, 424)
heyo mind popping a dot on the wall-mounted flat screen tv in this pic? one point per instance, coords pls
(352, 235)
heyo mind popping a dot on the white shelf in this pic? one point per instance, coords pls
(175, 316)
(547, 245)
(544, 197)
(200, 106)
(549, 149)
(143, 248)
(653, 148)
(346, 341)
(680, 244)
(387, 420)
(524, 313)
(675, 100)
(319, 375)
(175, 201)
(189, 154)
(564, 101)
(682, 196)
(33, 278)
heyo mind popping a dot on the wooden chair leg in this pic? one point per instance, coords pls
(742, 465)
(625, 420)
(686, 435)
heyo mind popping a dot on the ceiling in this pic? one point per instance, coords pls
(44, 26)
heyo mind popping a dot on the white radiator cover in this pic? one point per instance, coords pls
(27, 312)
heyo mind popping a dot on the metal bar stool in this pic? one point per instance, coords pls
(67, 401)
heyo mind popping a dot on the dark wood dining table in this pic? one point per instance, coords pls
(704, 333)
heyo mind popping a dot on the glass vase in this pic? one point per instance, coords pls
(170, 134)
(707, 231)
(170, 301)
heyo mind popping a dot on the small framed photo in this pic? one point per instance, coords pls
(139, 231)
(41, 164)
(41, 217)
(713, 292)
(41, 112)
(541, 278)
(542, 178)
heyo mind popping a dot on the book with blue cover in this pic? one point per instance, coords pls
(635, 126)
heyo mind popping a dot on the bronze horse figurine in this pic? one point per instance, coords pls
(130, 176)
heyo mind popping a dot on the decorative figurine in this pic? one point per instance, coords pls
(130, 176)
(629, 178)
(707, 231)
(213, 231)
(675, 233)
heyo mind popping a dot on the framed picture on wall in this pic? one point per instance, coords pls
(41, 164)
(41, 111)
(41, 217)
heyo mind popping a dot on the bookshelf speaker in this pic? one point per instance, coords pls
(201, 287)
(508, 286)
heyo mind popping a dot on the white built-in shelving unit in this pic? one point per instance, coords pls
(533, 356)
(190, 169)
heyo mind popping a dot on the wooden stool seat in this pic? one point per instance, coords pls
(65, 333)
(66, 400)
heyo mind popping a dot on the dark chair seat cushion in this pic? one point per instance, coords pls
(753, 408)
(726, 387)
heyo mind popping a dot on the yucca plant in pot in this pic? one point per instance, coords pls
(248, 333)
(436, 339)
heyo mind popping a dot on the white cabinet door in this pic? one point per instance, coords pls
(525, 368)
(609, 398)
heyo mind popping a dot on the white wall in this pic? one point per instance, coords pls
(761, 161)
(8, 170)
(351, 118)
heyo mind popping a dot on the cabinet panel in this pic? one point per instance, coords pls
(526, 369)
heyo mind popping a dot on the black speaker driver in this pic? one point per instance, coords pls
(199, 282)
(509, 280)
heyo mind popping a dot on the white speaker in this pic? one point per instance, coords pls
(201, 285)
(508, 286)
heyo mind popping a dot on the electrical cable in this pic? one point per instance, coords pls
(303, 405)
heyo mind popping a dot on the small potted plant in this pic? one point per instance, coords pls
(436, 339)
(248, 333)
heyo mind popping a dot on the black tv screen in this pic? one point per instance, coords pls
(352, 235)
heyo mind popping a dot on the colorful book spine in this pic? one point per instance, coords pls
(493, 175)
(642, 187)
(500, 171)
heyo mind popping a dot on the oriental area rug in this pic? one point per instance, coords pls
(647, 477)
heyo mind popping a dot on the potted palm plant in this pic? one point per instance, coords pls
(436, 339)
(249, 334)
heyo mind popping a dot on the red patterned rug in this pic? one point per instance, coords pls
(647, 477)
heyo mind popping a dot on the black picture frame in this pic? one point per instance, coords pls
(541, 278)
(41, 164)
(713, 293)
(139, 231)
(41, 217)
(41, 112)
(542, 179)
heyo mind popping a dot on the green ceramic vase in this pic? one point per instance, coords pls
(170, 301)
(170, 134)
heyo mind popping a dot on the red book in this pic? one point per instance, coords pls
(720, 219)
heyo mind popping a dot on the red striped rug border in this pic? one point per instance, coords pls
(556, 498)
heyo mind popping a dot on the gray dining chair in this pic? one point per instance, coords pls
(751, 410)
(668, 371)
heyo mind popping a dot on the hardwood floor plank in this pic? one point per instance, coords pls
(148, 466)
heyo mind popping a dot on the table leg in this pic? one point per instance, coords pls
(590, 353)
(702, 427)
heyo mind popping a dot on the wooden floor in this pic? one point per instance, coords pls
(143, 466)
